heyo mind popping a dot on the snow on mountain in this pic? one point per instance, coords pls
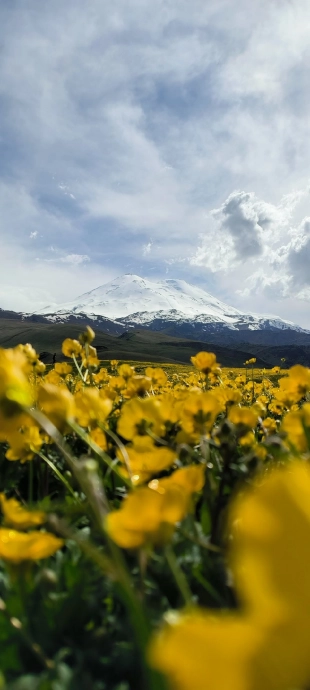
(234, 322)
(130, 294)
(137, 301)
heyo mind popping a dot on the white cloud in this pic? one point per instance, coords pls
(75, 259)
(149, 125)
(146, 248)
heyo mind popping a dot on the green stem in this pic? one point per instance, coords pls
(179, 576)
(100, 453)
(120, 445)
(91, 486)
(58, 474)
(78, 368)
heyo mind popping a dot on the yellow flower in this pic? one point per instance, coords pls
(270, 425)
(137, 385)
(126, 371)
(146, 459)
(15, 390)
(19, 517)
(57, 404)
(63, 368)
(137, 416)
(87, 336)
(247, 440)
(24, 443)
(16, 547)
(99, 437)
(205, 362)
(91, 407)
(295, 424)
(265, 645)
(199, 651)
(71, 348)
(157, 376)
(54, 378)
(39, 367)
(198, 412)
(243, 416)
(149, 514)
(191, 479)
(91, 362)
(299, 380)
(101, 376)
(228, 396)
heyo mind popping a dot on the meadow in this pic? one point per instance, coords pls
(155, 528)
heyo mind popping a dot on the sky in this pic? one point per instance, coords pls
(164, 138)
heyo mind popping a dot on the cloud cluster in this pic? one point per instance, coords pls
(125, 132)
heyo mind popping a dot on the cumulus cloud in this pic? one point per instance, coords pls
(298, 258)
(244, 222)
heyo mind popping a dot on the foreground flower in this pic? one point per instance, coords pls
(16, 547)
(139, 416)
(205, 362)
(145, 459)
(198, 413)
(17, 516)
(91, 407)
(266, 645)
(148, 515)
(57, 404)
(71, 348)
(15, 391)
(24, 443)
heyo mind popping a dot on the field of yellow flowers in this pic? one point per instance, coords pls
(155, 524)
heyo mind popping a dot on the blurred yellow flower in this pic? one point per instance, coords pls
(146, 459)
(15, 389)
(63, 368)
(24, 443)
(57, 404)
(99, 437)
(137, 416)
(205, 362)
(198, 412)
(149, 514)
(87, 336)
(266, 644)
(19, 517)
(246, 417)
(71, 348)
(126, 371)
(295, 425)
(137, 385)
(157, 376)
(16, 547)
(91, 407)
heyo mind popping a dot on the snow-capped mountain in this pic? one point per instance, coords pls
(131, 301)
(130, 294)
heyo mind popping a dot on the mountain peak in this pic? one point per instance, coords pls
(129, 293)
(174, 300)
